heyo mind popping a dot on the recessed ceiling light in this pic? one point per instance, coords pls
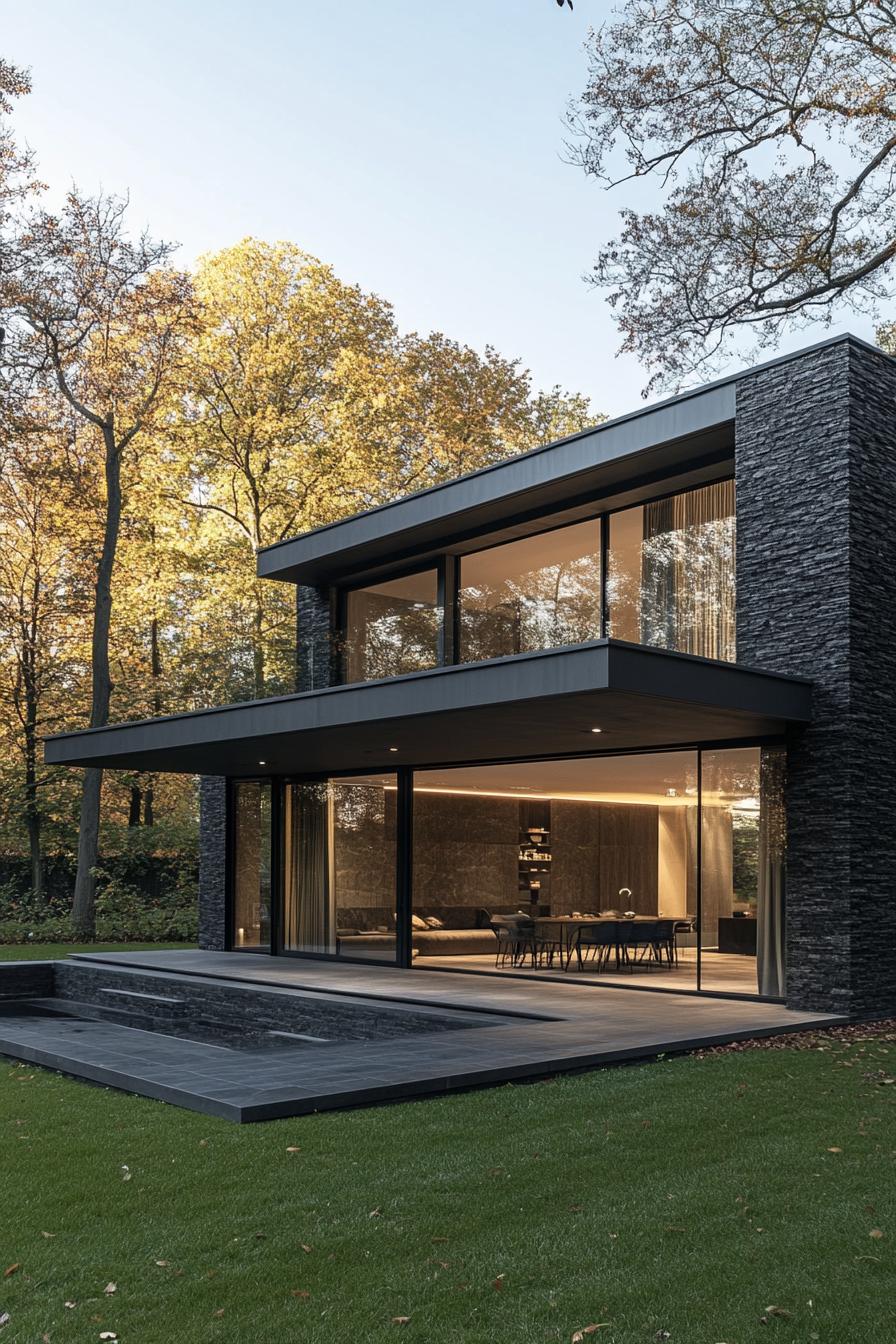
(597, 730)
(262, 762)
(393, 748)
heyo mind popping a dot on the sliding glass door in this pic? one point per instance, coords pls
(252, 877)
(339, 867)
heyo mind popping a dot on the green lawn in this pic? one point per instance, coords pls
(53, 951)
(687, 1195)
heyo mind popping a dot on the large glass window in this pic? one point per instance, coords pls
(339, 861)
(663, 869)
(251, 865)
(671, 573)
(537, 593)
(742, 888)
(597, 856)
(392, 627)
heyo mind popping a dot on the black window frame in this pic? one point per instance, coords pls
(449, 566)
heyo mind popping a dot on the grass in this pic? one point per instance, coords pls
(739, 1197)
(54, 951)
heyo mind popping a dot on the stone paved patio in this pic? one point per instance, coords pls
(538, 1029)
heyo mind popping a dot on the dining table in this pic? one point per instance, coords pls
(571, 926)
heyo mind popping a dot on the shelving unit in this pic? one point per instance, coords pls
(534, 862)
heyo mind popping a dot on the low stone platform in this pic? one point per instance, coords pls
(499, 1032)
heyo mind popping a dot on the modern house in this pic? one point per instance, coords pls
(638, 684)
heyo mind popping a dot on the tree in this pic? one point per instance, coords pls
(306, 404)
(44, 545)
(101, 319)
(772, 129)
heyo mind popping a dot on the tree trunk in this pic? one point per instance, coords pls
(84, 903)
(32, 810)
(134, 806)
(148, 813)
(258, 645)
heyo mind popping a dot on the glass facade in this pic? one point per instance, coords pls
(537, 593)
(671, 573)
(658, 869)
(252, 869)
(669, 583)
(392, 627)
(339, 867)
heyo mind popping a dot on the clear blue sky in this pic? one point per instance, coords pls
(414, 144)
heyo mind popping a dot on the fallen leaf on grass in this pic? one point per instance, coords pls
(48, 1234)
(306, 1249)
(11, 1269)
(163, 1264)
(70, 1305)
(875, 1233)
(401, 1320)
(4, 1319)
(301, 1293)
(108, 1334)
(579, 1335)
(293, 1149)
(438, 1240)
(781, 1312)
(498, 1283)
(374, 1213)
(219, 1313)
(110, 1288)
(125, 1173)
(835, 1150)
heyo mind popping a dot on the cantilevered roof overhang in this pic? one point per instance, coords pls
(528, 706)
(688, 439)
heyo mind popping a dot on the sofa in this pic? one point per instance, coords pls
(462, 931)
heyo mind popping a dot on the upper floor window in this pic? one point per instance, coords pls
(392, 627)
(670, 580)
(669, 583)
(537, 593)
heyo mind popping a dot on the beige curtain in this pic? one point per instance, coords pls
(770, 895)
(687, 572)
(307, 922)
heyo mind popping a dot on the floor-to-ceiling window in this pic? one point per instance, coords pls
(251, 858)
(662, 869)
(537, 593)
(392, 627)
(657, 869)
(339, 866)
(671, 573)
(669, 583)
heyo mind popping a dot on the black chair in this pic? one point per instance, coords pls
(600, 940)
(515, 935)
(636, 941)
(665, 945)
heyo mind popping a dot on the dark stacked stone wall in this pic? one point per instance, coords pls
(816, 582)
(212, 862)
(316, 656)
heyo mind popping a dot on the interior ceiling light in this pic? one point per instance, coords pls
(393, 748)
(597, 730)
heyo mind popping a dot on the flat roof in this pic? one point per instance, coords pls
(687, 438)
(526, 706)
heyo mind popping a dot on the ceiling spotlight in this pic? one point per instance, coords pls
(262, 762)
(393, 748)
(597, 730)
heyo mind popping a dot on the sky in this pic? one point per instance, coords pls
(415, 145)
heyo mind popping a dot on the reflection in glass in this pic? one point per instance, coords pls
(392, 627)
(743, 857)
(339, 856)
(671, 574)
(595, 836)
(541, 592)
(251, 864)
